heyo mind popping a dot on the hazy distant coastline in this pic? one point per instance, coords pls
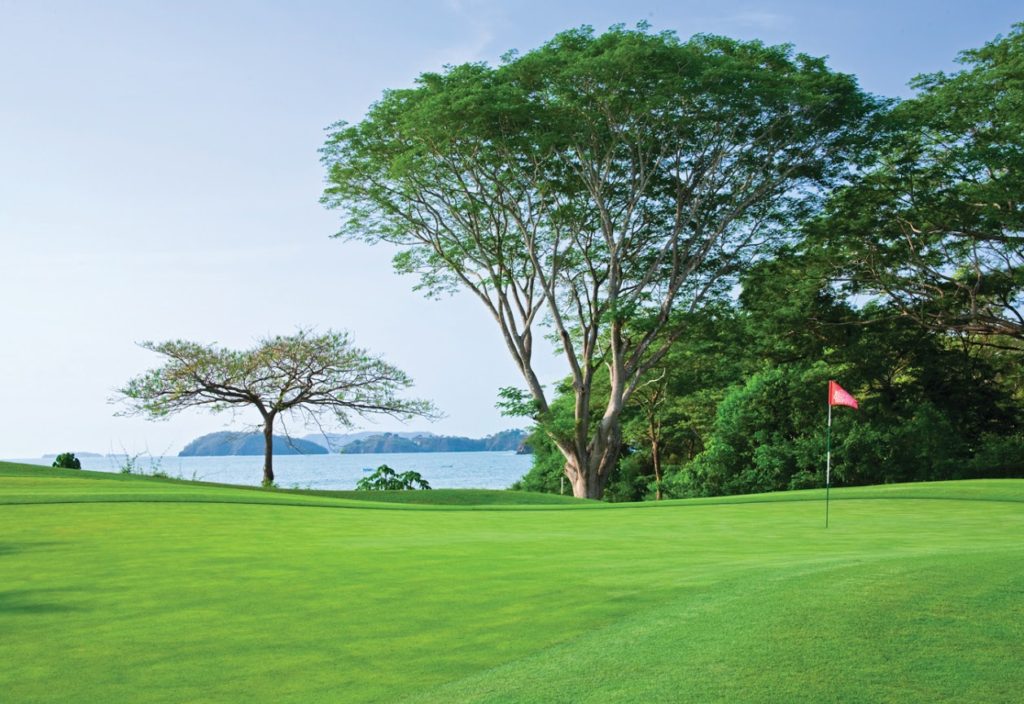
(228, 443)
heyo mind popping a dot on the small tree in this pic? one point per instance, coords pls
(67, 460)
(312, 377)
(386, 479)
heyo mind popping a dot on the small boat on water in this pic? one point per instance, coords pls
(367, 469)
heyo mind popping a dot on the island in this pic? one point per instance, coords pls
(248, 443)
(505, 441)
(228, 442)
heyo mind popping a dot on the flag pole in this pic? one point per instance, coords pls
(828, 453)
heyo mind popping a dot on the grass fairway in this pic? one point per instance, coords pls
(120, 589)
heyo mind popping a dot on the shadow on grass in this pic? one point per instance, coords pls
(35, 602)
(15, 548)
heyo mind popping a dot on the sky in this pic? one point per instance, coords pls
(159, 179)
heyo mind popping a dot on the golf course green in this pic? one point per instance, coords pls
(133, 589)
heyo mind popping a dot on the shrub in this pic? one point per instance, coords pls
(997, 457)
(67, 460)
(385, 479)
(130, 465)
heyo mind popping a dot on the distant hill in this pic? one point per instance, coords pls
(366, 442)
(505, 441)
(388, 442)
(336, 441)
(233, 443)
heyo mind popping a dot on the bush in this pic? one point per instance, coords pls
(768, 435)
(67, 460)
(548, 469)
(997, 457)
(385, 479)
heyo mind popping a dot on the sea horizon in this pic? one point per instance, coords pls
(442, 470)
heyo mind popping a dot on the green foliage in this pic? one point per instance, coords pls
(312, 377)
(738, 405)
(768, 436)
(601, 183)
(934, 225)
(67, 460)
(547, 473)
(386, 479)
(516, 403)
(769, 433)
(997, 456)
(324, 375)
(671, 415)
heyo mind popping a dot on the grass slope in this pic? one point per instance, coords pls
(126, 589)
(49, 485)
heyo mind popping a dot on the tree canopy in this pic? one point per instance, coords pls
(935, 224)
(600, 185)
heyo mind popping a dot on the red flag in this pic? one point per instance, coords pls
(838, 396)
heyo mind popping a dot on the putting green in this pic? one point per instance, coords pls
(135, 590)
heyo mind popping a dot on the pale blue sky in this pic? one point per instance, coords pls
(159, 178)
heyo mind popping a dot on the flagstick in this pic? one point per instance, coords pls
(828, 457)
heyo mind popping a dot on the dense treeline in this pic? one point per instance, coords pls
(906, 285)
(740, 405)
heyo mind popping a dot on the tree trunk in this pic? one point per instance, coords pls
(656, 459)
(588, 471)
(268, 452)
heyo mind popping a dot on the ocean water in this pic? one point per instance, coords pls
(442, 470)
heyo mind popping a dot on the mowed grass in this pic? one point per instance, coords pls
(138, 590)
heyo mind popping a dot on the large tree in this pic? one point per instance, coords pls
(597, 184)
(936, 225)
(314, 377)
